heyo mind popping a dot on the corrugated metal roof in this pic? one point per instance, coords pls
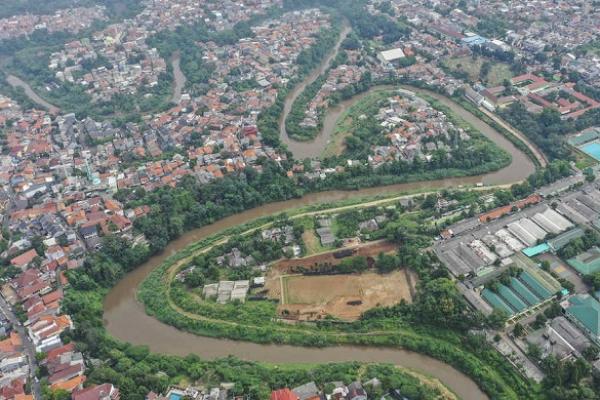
(535, 286)
(524, 292)
(511, 298)
(586, 310)
(496, 301)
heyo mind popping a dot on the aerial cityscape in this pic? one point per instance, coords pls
(300, 200)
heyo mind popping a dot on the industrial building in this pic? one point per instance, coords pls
(476, 251)
(584, 311)
(559, 338)
(587, 262)
(391, 56)
(525, 291)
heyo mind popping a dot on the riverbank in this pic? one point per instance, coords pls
(126, 319)
(156, 297)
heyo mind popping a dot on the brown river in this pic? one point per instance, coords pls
(15, 81)
(126, 320)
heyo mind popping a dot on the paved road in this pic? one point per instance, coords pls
(28, 345)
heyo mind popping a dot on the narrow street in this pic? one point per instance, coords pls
(28, 346)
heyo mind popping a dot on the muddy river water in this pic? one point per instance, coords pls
(126, 320)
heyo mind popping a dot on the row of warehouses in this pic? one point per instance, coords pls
(523, 292)
(524, 235)
(478, 252)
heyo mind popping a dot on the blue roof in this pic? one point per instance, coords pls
(535, 250)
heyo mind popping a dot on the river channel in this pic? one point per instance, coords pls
(15, 81)
(314, 147)
(178, 78)
(126, 320)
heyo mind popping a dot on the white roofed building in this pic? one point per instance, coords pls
(391, 56)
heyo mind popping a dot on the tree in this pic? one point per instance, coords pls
(486, 67)
(553, 311)
(440, 303)
(386, 263)
(540, 320)
(496, 319)
(195, 279)
(534, 351)
(38, 244)
(545, 265)
(518, 330)
(590, 353)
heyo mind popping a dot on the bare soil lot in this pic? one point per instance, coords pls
(367, 250)
(343, 296)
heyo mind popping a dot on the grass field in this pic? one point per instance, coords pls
(312, 243)
(498, 72)
(309, 237)
(331, 294)
(582, 160)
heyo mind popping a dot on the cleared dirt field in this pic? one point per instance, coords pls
(343, 296)
(367, 250)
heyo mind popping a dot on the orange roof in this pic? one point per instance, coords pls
(23, 397)
(60, 350)
(499, 212)
(11, 343)
(52, 297)
(24, 258)
(69, 385)
(283, 394)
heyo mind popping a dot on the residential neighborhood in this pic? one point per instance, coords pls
(418, 178)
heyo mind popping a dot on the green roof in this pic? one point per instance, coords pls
(586, 263)
(585, 309)
(584, 137)
(524, 292)
(534, 285)
(565, 238)
(511, 298)
(495, 301)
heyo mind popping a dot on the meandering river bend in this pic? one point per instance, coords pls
(126, 320)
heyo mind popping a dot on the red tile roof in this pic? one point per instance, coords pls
(24, 259)
(283, 394)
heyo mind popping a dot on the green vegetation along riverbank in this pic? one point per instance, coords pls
(392, 328)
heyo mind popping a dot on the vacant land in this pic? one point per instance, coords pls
(472, 67)
(343, 296)
(366, 250)
(344, 126)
